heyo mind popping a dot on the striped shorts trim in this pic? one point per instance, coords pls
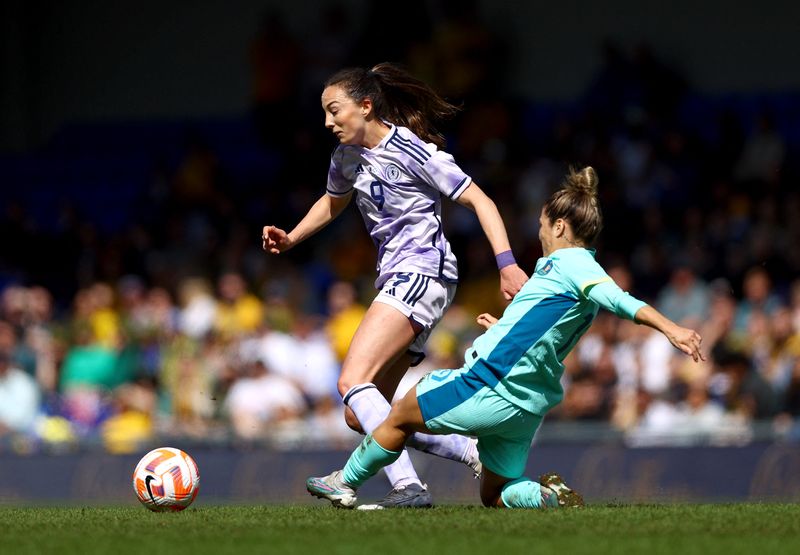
(420, 298)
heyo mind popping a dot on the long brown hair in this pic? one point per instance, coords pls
(576, 203)
(397, 97)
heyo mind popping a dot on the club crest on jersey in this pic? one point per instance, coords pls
(546, 267)
(393, 173)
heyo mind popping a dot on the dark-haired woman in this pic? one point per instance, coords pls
(390, 159)
(512, 373)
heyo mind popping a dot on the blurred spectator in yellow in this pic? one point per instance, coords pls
(345, 316)
(238, 311)
(103, 317)
(132, 424)
(126, 432)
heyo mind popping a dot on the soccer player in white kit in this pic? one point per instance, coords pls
(390, 159)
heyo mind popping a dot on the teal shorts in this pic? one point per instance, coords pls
(457, 401)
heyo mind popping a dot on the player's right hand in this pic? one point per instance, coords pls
(512, 278)
(688, 341)
(486, 320)
(274, 240)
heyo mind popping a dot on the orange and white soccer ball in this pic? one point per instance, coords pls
(166, 479)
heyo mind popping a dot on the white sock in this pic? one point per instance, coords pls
(401, 472)
(371, 408)
(375, 408)
(452, 446)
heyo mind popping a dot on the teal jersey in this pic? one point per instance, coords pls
(521, 355)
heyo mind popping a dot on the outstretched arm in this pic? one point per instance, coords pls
(512, 278)
(683, 339)
(607, 294)
(275, 240)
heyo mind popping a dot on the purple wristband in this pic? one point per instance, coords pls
(505, 258)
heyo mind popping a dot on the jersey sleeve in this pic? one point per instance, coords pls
(338, 185)
(608, 295)
(441, 172)
(594, 283)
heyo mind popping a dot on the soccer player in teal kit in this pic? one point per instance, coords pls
(512, 373)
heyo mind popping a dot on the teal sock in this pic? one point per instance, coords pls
(366, 461)
(523, 493)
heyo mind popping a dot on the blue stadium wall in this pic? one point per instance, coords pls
(603, 473)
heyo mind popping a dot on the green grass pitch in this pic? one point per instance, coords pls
(307, 529)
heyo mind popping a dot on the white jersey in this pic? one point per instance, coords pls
(399, 185)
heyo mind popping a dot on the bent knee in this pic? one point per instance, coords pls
(346, 383)
(349, 380)
(343, 386)
(352, 421)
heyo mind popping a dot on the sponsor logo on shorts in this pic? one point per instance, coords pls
(402, 278)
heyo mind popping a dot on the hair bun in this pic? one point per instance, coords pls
(584, 181)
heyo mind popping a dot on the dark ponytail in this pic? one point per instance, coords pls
(397, 97)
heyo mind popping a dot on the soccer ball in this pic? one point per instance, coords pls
(166, 479)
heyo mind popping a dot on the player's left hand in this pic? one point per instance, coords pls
(486, 320)
(512, 278)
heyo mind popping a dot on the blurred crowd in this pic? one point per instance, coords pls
(128, 363)
(173, 321)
